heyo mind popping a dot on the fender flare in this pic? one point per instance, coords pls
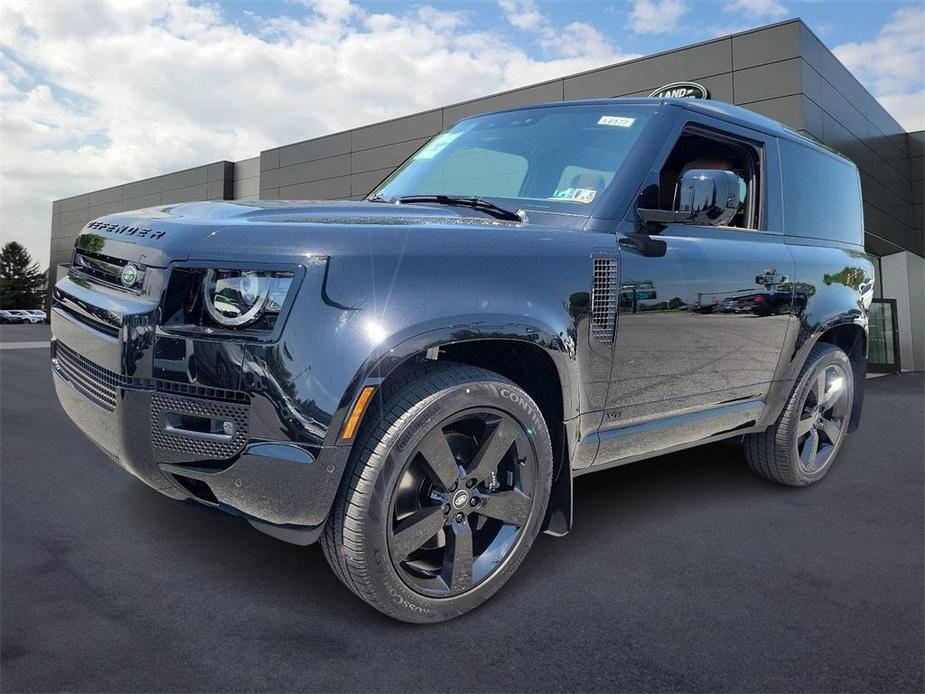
(416, 339)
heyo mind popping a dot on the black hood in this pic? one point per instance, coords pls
(271, 230)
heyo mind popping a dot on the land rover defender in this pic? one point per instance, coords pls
(415, 380)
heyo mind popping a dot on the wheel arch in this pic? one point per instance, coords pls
(851, 338)
(530, 354)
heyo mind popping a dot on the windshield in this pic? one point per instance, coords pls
(558, 159)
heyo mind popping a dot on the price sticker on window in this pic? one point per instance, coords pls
(616, 121)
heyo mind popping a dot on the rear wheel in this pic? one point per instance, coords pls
(801, 446)
(446, 491)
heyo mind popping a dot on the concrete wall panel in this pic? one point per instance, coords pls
(185, 179)
(769, 45)
(149, 186)
(384, 157)
(362, 184)
(789, 110)
(189, 194)
(537, 94)
(75, 203)
(310, 150)
(398, 130)
(645, 74)
(107, 195)
(769, 81)
(246, 187)
(315, 170)
(269, 178)
(141, 202)
(329, 189)
(269, 159)
(247, 168)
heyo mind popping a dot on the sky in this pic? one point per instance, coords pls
(95, 93)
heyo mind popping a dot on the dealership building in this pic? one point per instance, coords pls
(781, 71)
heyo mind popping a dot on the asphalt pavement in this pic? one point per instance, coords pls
(685, 573)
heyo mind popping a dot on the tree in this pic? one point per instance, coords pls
(21, 281)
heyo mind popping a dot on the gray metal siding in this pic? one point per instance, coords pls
(849, 119)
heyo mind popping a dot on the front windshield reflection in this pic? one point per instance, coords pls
(559, 159)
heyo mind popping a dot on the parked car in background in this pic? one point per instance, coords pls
(415, 379)
(730, 306)
(7, 317)
(27, 316)
(42, 316)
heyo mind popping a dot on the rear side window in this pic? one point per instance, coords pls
(822, 195)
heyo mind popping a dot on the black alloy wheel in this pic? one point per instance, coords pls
(462, 502)
(824, 418)
(800, 447)
(445, 491)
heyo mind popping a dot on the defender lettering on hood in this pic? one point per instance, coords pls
(125, 230)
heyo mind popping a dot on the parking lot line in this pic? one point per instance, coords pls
(23, 345)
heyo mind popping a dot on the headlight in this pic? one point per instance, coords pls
(236, 298)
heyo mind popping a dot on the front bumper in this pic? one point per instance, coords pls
(187, 438)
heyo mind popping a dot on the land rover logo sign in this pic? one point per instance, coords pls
(129, 275)
(681, 90)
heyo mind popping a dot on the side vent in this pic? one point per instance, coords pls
(605, 293)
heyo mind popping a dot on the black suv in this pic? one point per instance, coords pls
(415, 379)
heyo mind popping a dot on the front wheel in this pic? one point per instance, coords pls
(445, 492)
(800, 447)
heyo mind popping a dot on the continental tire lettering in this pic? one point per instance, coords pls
(526, 405)
(403, 602)
(417, 426)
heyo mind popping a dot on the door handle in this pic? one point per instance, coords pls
(645, 245)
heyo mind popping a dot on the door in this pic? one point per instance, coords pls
(702, 321)
(883, 353)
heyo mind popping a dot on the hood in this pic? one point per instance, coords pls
(276, 231)
(269, 230)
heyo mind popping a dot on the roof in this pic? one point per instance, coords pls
(708, 107)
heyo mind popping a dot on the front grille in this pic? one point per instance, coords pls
(163, 404)
(104, 269)
(604, 296)
(198, 391)
(103, 387)
(99, 385)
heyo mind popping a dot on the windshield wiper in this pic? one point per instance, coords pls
(474, 203)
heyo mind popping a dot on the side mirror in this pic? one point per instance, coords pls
(707, 197)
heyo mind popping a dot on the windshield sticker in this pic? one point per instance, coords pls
(437, 145)
(584, 195)
(617, 121)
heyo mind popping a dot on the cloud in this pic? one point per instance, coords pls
(522, 13)
(656, 16)
(101, 92)
(757, 8)
(569, 41)
(908, 109)
(891, 65)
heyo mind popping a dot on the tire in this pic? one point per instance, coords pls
(801, 446)
(455, 463)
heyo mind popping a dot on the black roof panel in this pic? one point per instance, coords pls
(708, 107)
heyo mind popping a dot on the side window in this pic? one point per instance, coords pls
(697, 150)
(479, 172)
(822, 194)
